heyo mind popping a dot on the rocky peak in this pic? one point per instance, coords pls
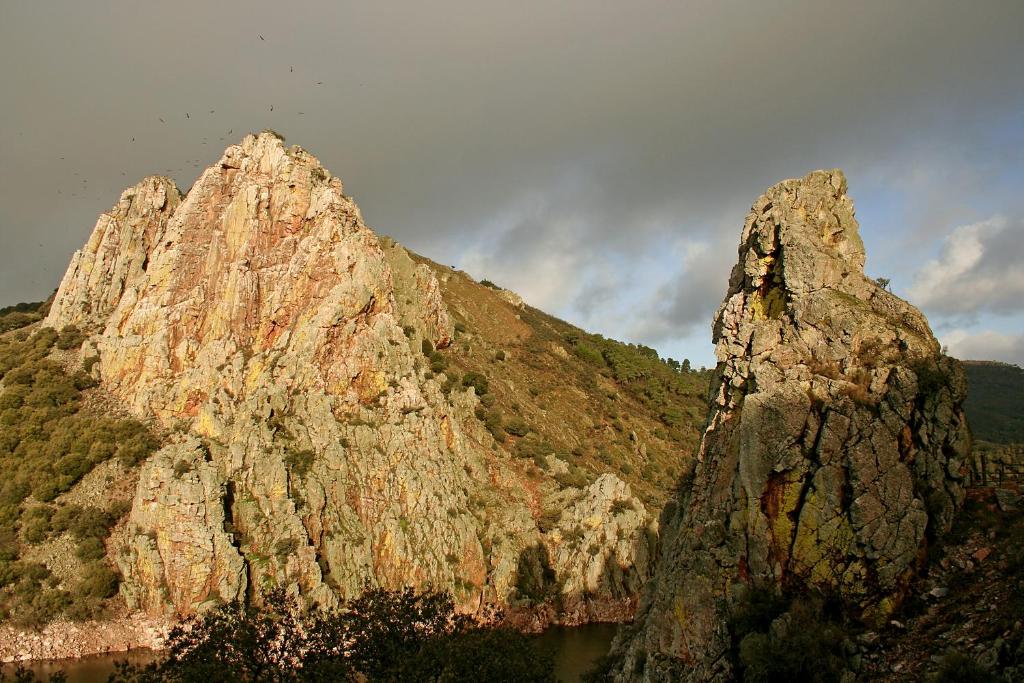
(279, 342)
(112, 263)
(835, 445)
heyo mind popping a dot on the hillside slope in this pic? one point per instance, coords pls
(995, 401)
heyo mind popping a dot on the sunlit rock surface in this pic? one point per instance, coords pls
(835, 446)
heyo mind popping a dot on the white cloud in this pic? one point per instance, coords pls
(985, 345)
(979, 269)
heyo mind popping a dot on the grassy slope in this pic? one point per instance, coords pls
(599, 405)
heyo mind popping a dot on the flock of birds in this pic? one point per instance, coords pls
(195, 163)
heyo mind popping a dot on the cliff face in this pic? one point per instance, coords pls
(835, 445)
(278, 342)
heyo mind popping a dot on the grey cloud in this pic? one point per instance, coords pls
(549, 145)
(986, 345)
(978, 271)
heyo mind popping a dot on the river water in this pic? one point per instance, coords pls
(576, 649)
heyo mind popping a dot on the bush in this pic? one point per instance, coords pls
(494, 424)
(388, 636)
(499, 355)
(799, 644)
(90, 549)
(70, 338)
(98, 581)
(517, 427)
(477, 381)
(299, 462)
(620, 506)
(957, 668)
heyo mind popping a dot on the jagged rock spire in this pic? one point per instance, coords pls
(835, 443)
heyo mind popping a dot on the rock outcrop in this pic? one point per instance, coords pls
(834, 450)
(278, 342)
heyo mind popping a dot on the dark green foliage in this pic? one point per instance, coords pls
(667, 387)
(70, 338)
(488, 283)
(427, 348)
(995, 401)
(957, 668)
(517, 427)
(620, 506)
(477, 381)
(285, 548)
(535, 449)
(22, 675)
(19, 315)
(438, 362)
(495, 425)
(803, 645)
(98, 581)
(46, 443)
(299, 462)
(460, 327)
(380, 636)
(574, 477)
(499, 355)
(535, 579)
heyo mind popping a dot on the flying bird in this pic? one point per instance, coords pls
(271, 107)
(261, 37)
(187, 116)
(161, 120)
(319, 82)
(291, 69)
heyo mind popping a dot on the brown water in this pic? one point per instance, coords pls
(576, 650)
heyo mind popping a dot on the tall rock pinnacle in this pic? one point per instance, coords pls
(834, 447)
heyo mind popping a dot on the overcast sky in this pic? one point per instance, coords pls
(597, 157)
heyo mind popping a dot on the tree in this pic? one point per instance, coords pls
(380, 636)
(883, 282)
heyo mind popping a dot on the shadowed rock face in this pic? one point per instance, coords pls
(277, 340)
(835, 444)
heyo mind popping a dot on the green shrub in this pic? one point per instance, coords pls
(300, 462)
(798, 643)
(499, 355)
(98, 581)
(494, 424)
(517, 427)
(620, 506)
(70, 338)
(285, 548)
(90, 549)
(477, 381)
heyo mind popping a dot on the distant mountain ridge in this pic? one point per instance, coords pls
(995, 401)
